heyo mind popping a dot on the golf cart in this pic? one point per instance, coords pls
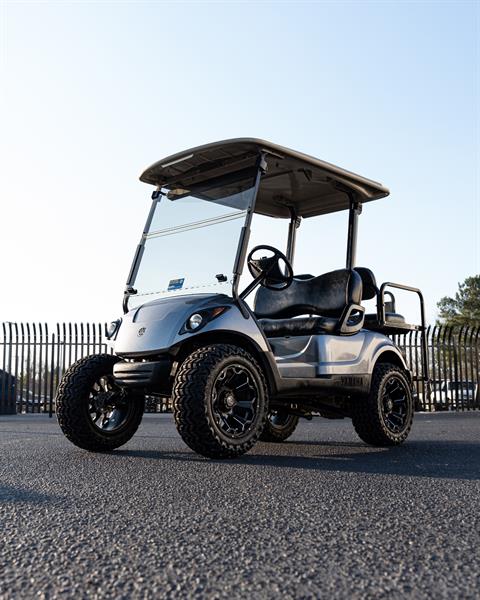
(238, 373)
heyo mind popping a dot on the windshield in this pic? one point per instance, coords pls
(192, 240)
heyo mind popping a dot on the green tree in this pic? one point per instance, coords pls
(464, 309)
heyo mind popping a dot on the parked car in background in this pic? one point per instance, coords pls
(29, 403)
(452, 395)
(157, 404)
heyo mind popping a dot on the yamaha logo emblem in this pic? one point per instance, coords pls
(141, 331)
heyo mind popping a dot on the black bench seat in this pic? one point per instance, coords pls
(327, 299)
(394, 324)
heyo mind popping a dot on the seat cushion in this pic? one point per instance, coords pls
(392, 318)
(300, 326)
(394, 324)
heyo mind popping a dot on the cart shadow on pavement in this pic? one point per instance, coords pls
(448, 460)
(9, 494)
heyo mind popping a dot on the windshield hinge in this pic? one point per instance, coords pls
(157, 193)
(129, 291)
(262, 164)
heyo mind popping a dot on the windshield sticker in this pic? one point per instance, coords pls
(175, 284)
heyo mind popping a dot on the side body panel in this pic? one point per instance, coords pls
(324, 355)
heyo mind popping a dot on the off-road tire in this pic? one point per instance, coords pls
(192, 403)
(279, 433)
(72, 406)
(367, 416)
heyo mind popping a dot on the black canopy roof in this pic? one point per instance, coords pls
(293, 180)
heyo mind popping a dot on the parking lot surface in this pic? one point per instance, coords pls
(321, 516)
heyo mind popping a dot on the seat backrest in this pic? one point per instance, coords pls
(369, 283)
(326, 295)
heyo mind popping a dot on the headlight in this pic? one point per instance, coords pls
(201, 318)
(112, 329)
(195, 321)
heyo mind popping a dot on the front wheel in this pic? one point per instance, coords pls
(93, 412)
(220, 401)
(384, 417)
(279, 426)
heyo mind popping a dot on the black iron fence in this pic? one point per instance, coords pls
(34, 357)
(453, 364)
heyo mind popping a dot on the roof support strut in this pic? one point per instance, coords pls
(354, 210)
(292, 235)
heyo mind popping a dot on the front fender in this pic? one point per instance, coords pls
(156, 327)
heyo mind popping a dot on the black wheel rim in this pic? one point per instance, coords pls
(108, 407)
(234, 400)
(279, 419)
(395, 405)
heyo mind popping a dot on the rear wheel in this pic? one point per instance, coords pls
(279, 426)
(93, 412)
(384, 417)
(220, 401)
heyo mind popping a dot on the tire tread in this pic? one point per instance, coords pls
(77, 382)
(366, 418)
(189, 407)
(277, 434)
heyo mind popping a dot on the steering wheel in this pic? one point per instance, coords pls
(268, 269)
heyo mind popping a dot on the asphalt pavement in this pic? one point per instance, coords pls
(321, 516)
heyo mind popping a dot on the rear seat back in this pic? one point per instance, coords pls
(369, 282)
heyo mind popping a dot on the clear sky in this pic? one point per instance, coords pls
(93, 92)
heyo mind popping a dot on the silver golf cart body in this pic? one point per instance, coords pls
(318, 368)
